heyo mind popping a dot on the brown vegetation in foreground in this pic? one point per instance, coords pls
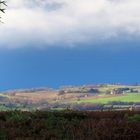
(69, 125)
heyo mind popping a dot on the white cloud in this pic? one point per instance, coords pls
(68, 22)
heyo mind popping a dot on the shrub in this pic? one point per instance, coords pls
(17, 116)
(3, 135)
(135, 117)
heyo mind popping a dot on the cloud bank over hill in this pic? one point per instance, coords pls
(68, 22)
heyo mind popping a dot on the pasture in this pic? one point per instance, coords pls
(127, 97)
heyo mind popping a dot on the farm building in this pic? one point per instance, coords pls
(119, 91)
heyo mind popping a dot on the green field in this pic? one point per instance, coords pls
(128, 97)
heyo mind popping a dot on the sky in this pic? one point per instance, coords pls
(51, 43)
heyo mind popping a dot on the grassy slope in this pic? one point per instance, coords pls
(129, 97)
(4, 95)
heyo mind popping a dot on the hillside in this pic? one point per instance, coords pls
(73, 97)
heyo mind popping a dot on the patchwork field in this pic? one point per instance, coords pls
(72, 97)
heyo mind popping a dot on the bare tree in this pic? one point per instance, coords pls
(2, 3)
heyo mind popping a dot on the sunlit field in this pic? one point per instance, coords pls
(128, 97)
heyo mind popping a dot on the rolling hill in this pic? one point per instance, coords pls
(70, 97)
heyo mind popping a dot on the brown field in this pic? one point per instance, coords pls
(49, 96)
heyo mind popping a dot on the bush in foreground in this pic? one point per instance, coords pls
(69, 125)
